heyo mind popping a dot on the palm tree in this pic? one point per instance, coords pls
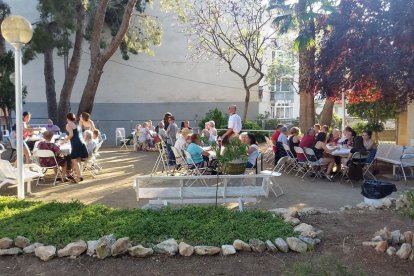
(303, 16)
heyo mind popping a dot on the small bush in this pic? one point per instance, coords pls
(58, 223)
(260, 135)
(215, 115)
(409, 211)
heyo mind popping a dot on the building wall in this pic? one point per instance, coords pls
(144, 87)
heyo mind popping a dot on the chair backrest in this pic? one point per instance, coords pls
(299, 150)
(13, 143)
(45, 154)
(6, 132)
(188, 158)
(7, 170)
(98, 147)
(259, 163)
(310, 155)
(396, 152)
(383, 150)
(280, 164)
(176, 152)
(2, 148)
(120, 132)
(103, 136)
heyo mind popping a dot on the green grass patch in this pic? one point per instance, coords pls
(59, 223)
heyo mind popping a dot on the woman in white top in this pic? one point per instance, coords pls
(181, 142)
(253, 150)
(211, 127)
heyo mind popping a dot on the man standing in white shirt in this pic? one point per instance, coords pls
(234, 125)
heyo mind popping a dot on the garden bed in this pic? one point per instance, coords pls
(61, 223)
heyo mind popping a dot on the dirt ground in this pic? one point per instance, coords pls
(343, 235)
(343, 232)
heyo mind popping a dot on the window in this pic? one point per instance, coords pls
(282, 110)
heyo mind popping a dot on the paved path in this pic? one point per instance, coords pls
(113, 187)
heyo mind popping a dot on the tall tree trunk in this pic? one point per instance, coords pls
(50, 84)
(99, 59)
(246, 103)
(89, 92)
(73, 69)
(327, 112)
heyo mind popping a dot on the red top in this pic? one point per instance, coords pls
(275, 136)
(308, 141)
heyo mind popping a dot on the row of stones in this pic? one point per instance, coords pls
(110, 246)
(388, 241)
(385, 203)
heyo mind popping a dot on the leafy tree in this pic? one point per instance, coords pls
(234, 32)
(215, 115)
(370, 47)
(306, 17)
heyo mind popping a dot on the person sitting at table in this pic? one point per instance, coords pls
(196, 151)
(281, 140)
(243, 137)
(85, 122)
(144, 137)
(321, 152)
(358, 147)
(27, 134)
(317, 128)
(77, 143)
(186, 124)
(89, 142)
(349, 135)
(211, 127)
(52, 128)
(308, 141)
(96, 136)
(181, 142)
(369, 143)
(253, 151)
(205, 133)
(294, 140)
(334, 139)
(161, 132)
(47, 144)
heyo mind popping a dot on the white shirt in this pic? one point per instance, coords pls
(180, 144)
(235, 123)
(253, 155)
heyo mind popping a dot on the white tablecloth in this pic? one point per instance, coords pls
(65, 148)
(341, 152)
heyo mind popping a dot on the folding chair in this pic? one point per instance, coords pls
(122, 139)
(162, 158)
(292, 163)
(277, 171)
(268, 154)
(192, 167)
(407, 161)
(313, 162)
(180, 162)
(303, 164)
(258, 165)
(2, 149)
(13, 145)
(119, 134)
(48, 154)
(8, 174)
(368, 163)
(358, 159)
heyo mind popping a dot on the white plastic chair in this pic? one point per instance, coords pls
(6, 136)
(196, 171)
(122, 139)
(277, 171)
(8, 174)
(2, 149)
(48, 154)
(162, 158)
(119, 134)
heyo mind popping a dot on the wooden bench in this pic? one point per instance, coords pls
(396, 155)
(204, 188)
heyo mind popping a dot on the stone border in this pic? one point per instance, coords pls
(108, 245)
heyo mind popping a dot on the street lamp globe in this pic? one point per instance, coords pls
(16, 30)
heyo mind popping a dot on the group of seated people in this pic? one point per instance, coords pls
(323, 144)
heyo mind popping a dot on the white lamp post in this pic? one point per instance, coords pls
(343, 110)
(18, 31)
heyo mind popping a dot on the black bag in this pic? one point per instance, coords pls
(355, 171)
(374, 189)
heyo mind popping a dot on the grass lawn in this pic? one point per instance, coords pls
(59, 223)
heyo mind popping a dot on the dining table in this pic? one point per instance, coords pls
(339, 151)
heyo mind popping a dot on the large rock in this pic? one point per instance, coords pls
(399, 204)
(303, 227)
(281, 245)
(362, 205)
(284, 212)
(257, 245)
(391, 251)
(168, 247)
(185, 249)
(31, 248)
(293, 221)
(241, 246)
(395, 237)
(120, 246)
(308, 211)
(6, 243)
(206, 250)
(103, 247)
(309, 241)
(387, 202)
(140, 251)
(11, 251)
(377, 239)
(21, 241)
(385, 234)
(408, 237)
(382, 246)
(73, 249)
(270, 246)
(45, 253)
(404, 251)
(297, 245)
(228, 250)
(92, 248)
(370, 243)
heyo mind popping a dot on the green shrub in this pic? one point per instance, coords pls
(260, 135)
(409, 211)
(58, 223)
(215, 115)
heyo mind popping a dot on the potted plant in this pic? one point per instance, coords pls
(232, 160)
